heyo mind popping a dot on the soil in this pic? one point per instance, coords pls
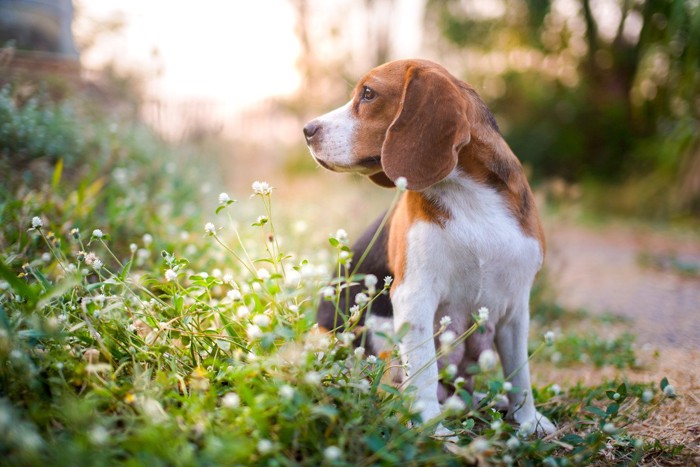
(652, 278)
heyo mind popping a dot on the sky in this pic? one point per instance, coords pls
(230, 52)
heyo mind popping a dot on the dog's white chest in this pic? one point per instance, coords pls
(480, 257)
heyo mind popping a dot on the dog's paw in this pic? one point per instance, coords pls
(537, 424)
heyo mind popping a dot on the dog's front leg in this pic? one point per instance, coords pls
(417, 347)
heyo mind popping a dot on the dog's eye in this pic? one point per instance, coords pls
(368, 94)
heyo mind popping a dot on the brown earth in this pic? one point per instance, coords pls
(652, 279)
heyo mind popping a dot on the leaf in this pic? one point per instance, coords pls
(596, 411)
(403, 330)
(572, 439)
(57, 172)
(334, 242)
(389, 389)
(664, 383)
(612, 409)
(17, 285)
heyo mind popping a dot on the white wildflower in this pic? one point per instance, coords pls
(342, 236)
(242, 312)
(287, 392)
(454, 404)
(361, 298)
(328, 292)
(451, 370)
(556, 390)
(133, 247)
(262, 321)
(549, 337)
(647, 395)
(445, 321)
(496, 425)
(670, 391)
(263, 274)
(231, 400)
(37, 223)
(147, 240)
(482, 315)
(479, 445)
(359, 352)
(332, 453)
(261, 188)
(97, 233)
(254, 332)
(372, 359)
(447, 338)
(224, 198)
(513, 443)
(401, 183)
(97, 264)
(313, 378)
(234, 295)
(265, 446)
(609, 428)
(346, 338)
(487, 360)
(507, 386)
(170, 275)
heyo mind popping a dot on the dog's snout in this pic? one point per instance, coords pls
(311, 129)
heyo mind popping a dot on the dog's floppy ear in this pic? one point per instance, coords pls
(430, 128)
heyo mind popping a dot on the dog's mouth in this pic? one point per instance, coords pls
(371, 162)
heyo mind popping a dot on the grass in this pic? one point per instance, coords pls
(135, 330)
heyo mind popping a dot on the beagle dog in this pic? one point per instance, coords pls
(464, 235)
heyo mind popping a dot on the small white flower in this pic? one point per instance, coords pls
(346, 338)
(447, 338)
(388, 280)
(459, 382)
(342, 236)
(401, 183)
(287, 392)
(513, 443)
(231, 400)
(370, 280)
(332, 453)
(99, 435)
(496, 425)
(525, 429)
(556, 390)
(328, 292)
(37, 223)
(670, 391)
(265, 446)
(262, 321)
(97, 233)
(454, 404)
(133, 247)
(234, 295)
(359, 352)
(609, 428)
(147, 239)
(647, 395)
(487, 360)
(361, 298)
(254, 332)
(372, 359)
(242, 311)
(451, 370)
(445, 321)
(263, 274)
(224, 198)
(313, 378)
(479, 445)
(97, 264)
(262, 220)
(549, 337)
(209, 228)
(507, 386)
(482, 315)
(170, 275)
(261, 188)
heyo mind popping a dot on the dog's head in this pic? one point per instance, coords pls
(407, 118)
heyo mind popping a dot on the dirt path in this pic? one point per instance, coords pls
(600, 270)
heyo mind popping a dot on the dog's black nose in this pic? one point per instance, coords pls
(310, 129)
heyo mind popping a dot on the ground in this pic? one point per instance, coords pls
(650, 277)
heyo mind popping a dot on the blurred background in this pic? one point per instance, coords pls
(594, 93)
(175, 101)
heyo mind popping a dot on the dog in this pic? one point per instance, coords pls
(465, 233)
